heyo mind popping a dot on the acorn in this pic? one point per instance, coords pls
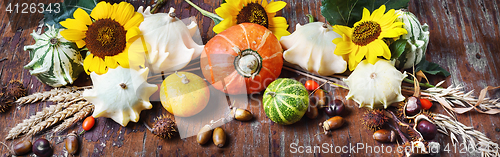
(384, 135)
(332, 123)
(219, 137)
(241, 114)
(22, 147)
(204, 134)
(164, 127)
(72, 143)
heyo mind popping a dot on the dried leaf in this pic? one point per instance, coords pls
(421, 75)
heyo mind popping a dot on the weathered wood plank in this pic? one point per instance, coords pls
(464, 40)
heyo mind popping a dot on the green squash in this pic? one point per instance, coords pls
(417, 40)
(55, 61)
(285, 101)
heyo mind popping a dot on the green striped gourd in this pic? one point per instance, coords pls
(285, 101)
(55, 61)
(416, 40)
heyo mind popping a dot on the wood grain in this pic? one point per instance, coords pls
(465, 37)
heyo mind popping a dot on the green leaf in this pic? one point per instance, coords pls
(397, 48)
(66, 11)
(431, 68)
(348, 12)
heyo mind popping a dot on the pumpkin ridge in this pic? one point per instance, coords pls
(245, 34)
(263, 40)
(279, 112)
(212, 80)
(268, 71)
(233, 77)
(271, 57)
(229, 41)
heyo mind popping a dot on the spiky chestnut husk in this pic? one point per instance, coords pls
(15, 89)
(3, 106)
(374, 119)
(164, 127)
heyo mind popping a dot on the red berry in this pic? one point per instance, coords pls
(311, 85)
(88, 123)
(426, 104)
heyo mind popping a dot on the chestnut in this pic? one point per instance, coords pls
(427, 129)
(42, 148)
(413, 106)
(334, 108)
(384, 135)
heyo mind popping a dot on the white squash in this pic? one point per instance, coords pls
(171, 42)
(55, 61)
(311, 47)
(120, 94)
(375, 86)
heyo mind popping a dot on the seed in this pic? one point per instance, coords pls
(72, 143)
(241, 114)
(312, 112)
(320, 96)
(219, 137)
(204, 134)
(22, 147)
(384, 135)
(42, 148)
(413, 106)
(427, 129)
(332, 123)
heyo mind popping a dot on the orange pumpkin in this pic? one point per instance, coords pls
(243, 59)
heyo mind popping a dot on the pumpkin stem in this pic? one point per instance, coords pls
(123, 85)
(272, 94)
(248, 63)
(183, 77)
(54, 41)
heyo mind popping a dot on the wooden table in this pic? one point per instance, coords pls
(464, 39)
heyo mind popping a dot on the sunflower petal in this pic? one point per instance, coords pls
(275, 6)
(264, 3)
(133, 32)
(87, 62)
(135, 21)
(73, 34)
(74, 24)
(343, 48)
(80, 43)
(343, 30)
(81, 15)
(224, 24)
(101, 11)
(110, 62)
(122, 59)
(378, 13)
(123, 12)
(392, 33)
(366, 15)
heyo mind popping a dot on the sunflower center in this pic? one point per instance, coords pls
(253, 13)
(365, 33)
(105, 37)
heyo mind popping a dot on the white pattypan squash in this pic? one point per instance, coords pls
(171, 42)
(376, 85)
(417, 40)
(55, 61)
(120, 94)
(311, 47)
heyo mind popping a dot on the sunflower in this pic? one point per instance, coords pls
(365, 38)
(107, 33)
(254, 11)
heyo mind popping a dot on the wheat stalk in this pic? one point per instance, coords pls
(76, 117)
(42, 96)
(65, 97)
(37, 118)
(59, 116)
(470, 138)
